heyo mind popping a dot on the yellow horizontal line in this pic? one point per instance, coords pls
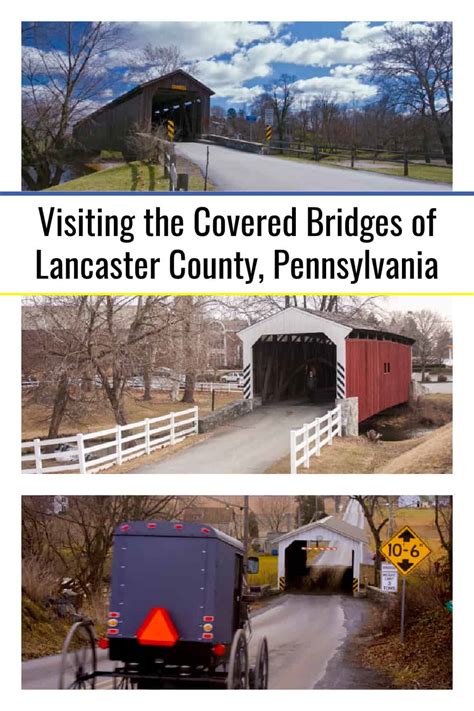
(237, 293)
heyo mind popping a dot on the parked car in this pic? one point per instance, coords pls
(232, 377)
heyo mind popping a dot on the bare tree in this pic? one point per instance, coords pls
(444, 526)
(281, 97)
(103, 337)
(372, 508)
(416, 63)
(153, 61)
(274, 510)
(427, 328)
(80, 539)
(62, 69)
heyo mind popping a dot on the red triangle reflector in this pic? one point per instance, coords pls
(158, 629)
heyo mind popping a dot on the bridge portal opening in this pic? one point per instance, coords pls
(182, 106)
(307, 572)
(295, 366)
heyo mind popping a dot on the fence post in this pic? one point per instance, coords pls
(147, 435)
(330, 426)
(306, 445)
(353, 156)
(172, 434)
(405, 164)
(196, 419)
(170, 174)
(80, 454)
(118, 440)
(318, 437)
(38, 461)
(182, 182)
(339, 421)
(293, 451)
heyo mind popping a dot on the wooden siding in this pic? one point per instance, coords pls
(365, 377)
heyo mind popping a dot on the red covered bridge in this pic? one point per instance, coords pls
(326, 356)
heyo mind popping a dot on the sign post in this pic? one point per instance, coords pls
(405, 550)
(251, 118)
(402, 610)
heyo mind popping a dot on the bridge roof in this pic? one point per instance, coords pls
(351, 325)
(178, 74)
(332, 524)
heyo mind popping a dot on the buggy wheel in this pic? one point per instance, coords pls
(78, 658)
(261, 665)
(238, 665)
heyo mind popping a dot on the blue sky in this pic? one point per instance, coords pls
(238, 59)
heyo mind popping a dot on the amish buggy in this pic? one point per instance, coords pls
(178, 614)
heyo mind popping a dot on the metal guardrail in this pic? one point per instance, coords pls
(310, 438)
(77, 454)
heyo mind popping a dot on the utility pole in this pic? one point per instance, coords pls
(390, 515)
(246, 531)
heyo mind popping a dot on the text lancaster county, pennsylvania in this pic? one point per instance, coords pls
(249, 270)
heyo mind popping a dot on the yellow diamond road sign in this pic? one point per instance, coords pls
(405, 550)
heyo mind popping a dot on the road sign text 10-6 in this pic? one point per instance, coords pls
(396, 550)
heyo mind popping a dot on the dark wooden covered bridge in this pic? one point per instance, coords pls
(177, 96)
(300, 354)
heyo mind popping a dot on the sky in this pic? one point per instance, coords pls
(440, 304)
(237, 59)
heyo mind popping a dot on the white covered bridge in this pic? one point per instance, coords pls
(345, 543)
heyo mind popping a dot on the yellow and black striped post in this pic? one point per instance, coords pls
(170, 129)
(268, 133)
(281, 583)
(355, 585)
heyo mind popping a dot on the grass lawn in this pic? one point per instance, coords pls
(422, 521)
(96, 414)
(133, 177)
(268, 572)
(417, 171)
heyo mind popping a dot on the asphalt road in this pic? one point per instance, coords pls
(236, 171)
(248, 445)
(43, 673)
(304, 632)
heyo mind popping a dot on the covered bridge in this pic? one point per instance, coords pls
(348, 542)
(177, 96)
(322, 356)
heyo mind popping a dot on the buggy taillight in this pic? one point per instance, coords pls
(219, 650)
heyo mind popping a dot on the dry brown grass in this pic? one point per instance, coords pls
(38, 580)
(98, 415)
(356, 455)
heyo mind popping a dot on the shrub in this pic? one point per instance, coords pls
(38, 580)
(442, 378)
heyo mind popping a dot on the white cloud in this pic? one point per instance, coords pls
(201, 40)
(363, 32)
(341, 88)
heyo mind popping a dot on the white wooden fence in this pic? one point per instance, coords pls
(309, 439)
(94, 451)
(218, 387)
